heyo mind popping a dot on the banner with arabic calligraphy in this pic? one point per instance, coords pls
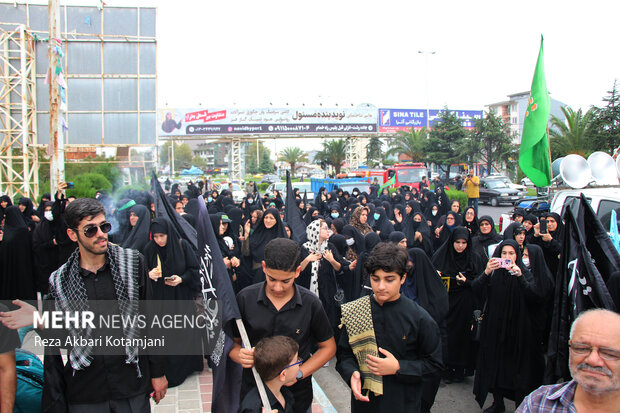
(227, 121)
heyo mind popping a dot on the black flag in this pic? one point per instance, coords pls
(220, 307)
(292, 214)
(305, 199)
(579, 287)
(257, 198)
(598, 242)
(163, 209)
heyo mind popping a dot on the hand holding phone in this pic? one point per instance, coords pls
(543, 226)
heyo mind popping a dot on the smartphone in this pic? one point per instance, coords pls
(70, 185)
(543, 226)
(505, 263)
(168, 278)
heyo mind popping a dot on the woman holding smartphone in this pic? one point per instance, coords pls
(510, 361)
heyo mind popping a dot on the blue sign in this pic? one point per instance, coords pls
(393, 120)
(467, 117)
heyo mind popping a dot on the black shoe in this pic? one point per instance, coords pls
(495, 408)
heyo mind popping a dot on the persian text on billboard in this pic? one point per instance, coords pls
(183, 121)
(394, 120)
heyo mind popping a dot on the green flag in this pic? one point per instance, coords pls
(391, 181)
(534, 158)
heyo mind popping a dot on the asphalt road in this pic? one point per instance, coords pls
(453, 398)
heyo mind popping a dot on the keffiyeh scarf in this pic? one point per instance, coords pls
(67, 287)
(312, 245)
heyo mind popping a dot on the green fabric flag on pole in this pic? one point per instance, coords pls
(391, 181)
(534, 157)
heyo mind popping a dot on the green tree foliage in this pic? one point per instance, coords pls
(182, 155)
(251, 165)
(410, 143)
(572, 134)
(333, 153)
(100, 165)
(293, 155)
(199, 162)
(442, 146)
(607, 122)
(491, 138)
(374, 152)
(86, 185)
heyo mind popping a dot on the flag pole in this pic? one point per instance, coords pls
(259, 383)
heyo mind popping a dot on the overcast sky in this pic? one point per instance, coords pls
(257, 53)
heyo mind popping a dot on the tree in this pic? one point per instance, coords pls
(491, 138)
(333, 153)
(572, 135)
(252, 164)
(374, 151)
(266, 166)
(182, 154)
(442, 146)
(410, 143)
(293, 155)
(607, 123)
(199, 162)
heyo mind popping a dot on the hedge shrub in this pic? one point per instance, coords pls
(87, 185)
(459, 195)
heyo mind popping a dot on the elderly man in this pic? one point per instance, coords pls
(595, 367)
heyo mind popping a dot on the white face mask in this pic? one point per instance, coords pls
(250, 201)
(434, 213)
(526, 262)
(350, 242)
(48, 215)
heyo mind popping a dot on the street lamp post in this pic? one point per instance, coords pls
(427, 53)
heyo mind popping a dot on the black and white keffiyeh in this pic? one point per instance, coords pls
(312, 245)
(67, 287)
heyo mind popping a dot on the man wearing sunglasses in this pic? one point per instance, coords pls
(594, 362)
(103, 278)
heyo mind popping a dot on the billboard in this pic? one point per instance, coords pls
(467, 117)
(236, 121)
(394, 120)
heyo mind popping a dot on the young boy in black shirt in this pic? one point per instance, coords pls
(277, 362)
(388, 343)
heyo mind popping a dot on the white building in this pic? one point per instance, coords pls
(513, 111)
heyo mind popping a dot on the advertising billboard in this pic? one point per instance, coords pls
(395, 120)
(467, 117)
(236, 121)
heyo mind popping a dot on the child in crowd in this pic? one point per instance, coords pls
(277, 362)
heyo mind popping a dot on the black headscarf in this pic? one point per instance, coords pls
(450, 262)
(138, 237)
(397, 237)
(261, 235)
(16, 262)
(482, 241)
(472, 226)
(349, 231)
(424, 286)
(7, 199)
(383, 225)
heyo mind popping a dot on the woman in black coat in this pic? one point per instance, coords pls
(487, 235)
(453, 259)
(16, 263)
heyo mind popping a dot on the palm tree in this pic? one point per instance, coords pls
(573, 135)
(334, 153)
(409, 143)
(293, 155)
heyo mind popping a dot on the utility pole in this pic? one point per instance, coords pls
(57, 144)
(428, 111)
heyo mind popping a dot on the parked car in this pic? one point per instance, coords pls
(281, 186)
(496, 191)
(270, 179)
(237, 192)
(526, 181)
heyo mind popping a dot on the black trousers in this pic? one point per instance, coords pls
(137, 404)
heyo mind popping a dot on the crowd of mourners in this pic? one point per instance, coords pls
(493, 317)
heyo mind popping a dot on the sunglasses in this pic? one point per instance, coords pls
(91, 230)
(299, 361)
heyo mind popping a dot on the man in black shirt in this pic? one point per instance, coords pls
(278, 306)
(102, 278)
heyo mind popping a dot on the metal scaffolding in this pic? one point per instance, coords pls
(353, 156)
(235, 160)
(19, 161)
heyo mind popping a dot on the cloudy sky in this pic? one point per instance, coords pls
(257, 53)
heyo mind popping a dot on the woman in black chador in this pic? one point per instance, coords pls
(510, 358)
(456, 257)
(16, 263)
(174, 278)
